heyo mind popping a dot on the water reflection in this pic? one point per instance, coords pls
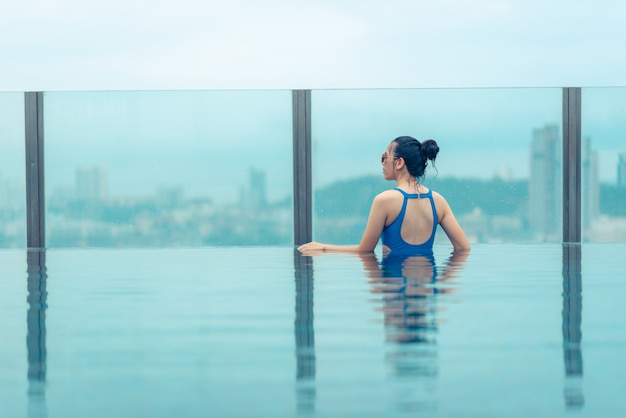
(572, 334)
(410, 286)
(36, 334)
(305, 334)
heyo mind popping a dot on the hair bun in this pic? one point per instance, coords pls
(430, 149)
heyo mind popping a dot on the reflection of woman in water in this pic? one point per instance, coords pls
(407, 216)
(408, 284)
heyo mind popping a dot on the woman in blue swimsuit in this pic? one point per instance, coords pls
(407, 216)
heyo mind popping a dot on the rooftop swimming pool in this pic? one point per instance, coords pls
(510, 330)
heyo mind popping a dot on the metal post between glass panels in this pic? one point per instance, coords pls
(572, 164)
(302, 189)
(35, 213)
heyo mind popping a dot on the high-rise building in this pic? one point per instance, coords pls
(258, 188)
(590, 184)
(11, 194)
(544, 185)
(621, 170)
(91, 184)
(254, 195)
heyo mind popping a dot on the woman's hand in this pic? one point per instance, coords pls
(312, 248)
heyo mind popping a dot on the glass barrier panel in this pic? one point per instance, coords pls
(499, 164)
(603, 159)
(168, 168)
(12, 171)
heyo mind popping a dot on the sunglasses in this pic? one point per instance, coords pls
(384, 157)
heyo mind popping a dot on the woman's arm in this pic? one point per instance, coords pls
(375, 224)
(451, 226)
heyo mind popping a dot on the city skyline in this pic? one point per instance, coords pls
(189, 175)
(540, 223)
(93, 180)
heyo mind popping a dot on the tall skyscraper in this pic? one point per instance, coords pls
(621, 170)
(91, 184)
(545, 190)
(590, 184)
(11, 194)
(254, 195)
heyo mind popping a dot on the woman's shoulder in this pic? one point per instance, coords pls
(438, 196)
(389, 195)
(439, 200)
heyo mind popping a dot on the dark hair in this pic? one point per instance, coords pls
(416, 154)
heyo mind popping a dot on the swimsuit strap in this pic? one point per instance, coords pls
(429, 195)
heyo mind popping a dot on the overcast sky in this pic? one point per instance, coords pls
(60, 45)
(211, 44)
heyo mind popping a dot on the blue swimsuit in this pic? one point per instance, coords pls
(391, 234)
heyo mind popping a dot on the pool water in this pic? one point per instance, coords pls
(509, 330)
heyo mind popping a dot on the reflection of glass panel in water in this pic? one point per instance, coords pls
(604, 164)
(36, 336)
(486, 138)
(169, 168)
(12, 174)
